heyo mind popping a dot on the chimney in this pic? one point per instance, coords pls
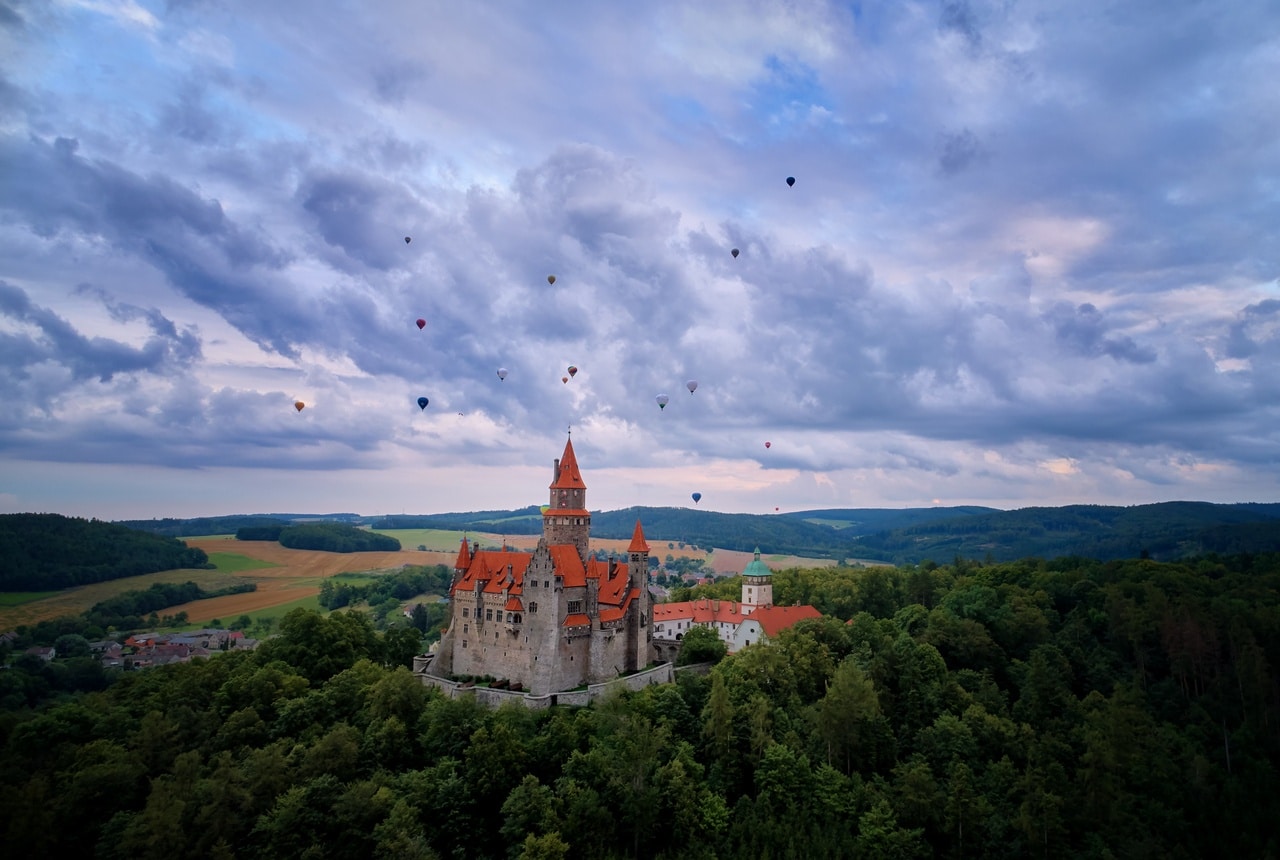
(555, 472)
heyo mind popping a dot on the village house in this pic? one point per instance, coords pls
(738, 624)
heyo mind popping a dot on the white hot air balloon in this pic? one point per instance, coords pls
(663, 400)
(692, 385)
(502, 373)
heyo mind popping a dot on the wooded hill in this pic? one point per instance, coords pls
(1166, 530)
(44, 552)
(1066, 709)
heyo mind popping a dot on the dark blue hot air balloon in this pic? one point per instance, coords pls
(697, 497)
(422, 402)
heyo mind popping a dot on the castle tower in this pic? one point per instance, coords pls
(757, 584)
(638, 614)
(567, 520)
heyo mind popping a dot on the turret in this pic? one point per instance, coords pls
(566, 519)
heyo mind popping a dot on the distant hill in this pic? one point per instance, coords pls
(41, 552)
(1165, 531)
(818, 534)
(230, 524)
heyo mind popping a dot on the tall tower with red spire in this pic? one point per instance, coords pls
(567, 520)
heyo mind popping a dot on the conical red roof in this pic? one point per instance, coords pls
(637, 540)
(569, 477)
(464, 557)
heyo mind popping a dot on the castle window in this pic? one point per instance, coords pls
(533, 607)
(488, 615)
(464, 643)
(466, 628)
(575, 606)
(465, 612)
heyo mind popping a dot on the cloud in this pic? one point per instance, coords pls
(1039, 233)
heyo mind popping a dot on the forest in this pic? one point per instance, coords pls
(44, 552)
(336, 537)
(1065, 708)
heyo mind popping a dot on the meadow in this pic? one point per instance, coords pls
(287, 579)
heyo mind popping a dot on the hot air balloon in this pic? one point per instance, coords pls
(422, 402)
(551, 279)
(663, 400)
(791, 180)
(422, 324)
(565, 380)
(697, 497)
(408, 239)
(502, 373)
(777, 509)
(735, 253)
(573, 371)
(299, 405)
(768, 444)
(692, 385)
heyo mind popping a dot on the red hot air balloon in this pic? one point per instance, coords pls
(573, 371)
(768, 444)
(299, 405)
(422, 324)
(565, 380)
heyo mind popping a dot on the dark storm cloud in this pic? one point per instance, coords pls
(1252, 326)
(1083, 328)
(363, 216)
(55, 341)
(959, 151)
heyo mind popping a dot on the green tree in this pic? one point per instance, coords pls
(701, 645)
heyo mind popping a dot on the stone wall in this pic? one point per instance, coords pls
(660, 674)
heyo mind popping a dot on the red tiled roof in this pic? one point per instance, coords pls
(567, 512)
(491, 567)
(569, 478)
(514, 605)
(774, 619)
(637, 540)
(568, 564)
(704, 611)
(578, 619)
(464, 557)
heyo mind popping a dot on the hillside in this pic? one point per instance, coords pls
(43, 552)
(1167, 530)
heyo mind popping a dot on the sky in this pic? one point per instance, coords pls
(1030, 257)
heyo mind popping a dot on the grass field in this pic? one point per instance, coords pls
(17, 598)
(234, 562)
(289, 578)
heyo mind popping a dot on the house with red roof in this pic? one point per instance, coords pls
(556, 618)
(739, 624)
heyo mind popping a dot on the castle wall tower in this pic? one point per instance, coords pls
(639, 614)
(567, 520)
(757, 584)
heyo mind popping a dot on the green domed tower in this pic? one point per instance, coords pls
(757, 584)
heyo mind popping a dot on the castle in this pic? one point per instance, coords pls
(554, 619)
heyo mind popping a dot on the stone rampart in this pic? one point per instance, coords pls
(663, 673)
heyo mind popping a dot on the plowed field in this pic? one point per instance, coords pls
(299, 574)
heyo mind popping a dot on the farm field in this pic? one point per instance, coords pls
(289, 578)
